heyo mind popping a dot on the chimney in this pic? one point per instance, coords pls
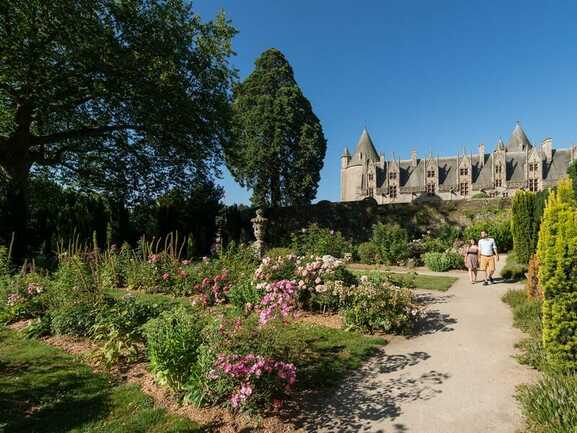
(481, 155)
(547, 147)
(413, 158)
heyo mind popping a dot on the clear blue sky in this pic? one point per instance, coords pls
(429, 75)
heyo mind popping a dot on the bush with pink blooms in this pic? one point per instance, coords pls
(26, 297)
(255, 380)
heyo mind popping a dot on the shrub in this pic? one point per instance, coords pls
(499, 229)
(25, 297)
(557, 254)
(533, 287)
(442, 262)
(480, 195)
(319, 241)
(245, 293)
(73, 319)
(172, 343)
(368, 253)
(551, 404)
(273, 253)
(513, 270)
(522, 222)
(392, 242)
(74, 282)
(239, 351)
(376, 305)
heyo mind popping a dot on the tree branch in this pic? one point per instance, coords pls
(82, 132)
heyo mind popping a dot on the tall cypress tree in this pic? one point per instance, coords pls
(557, 254)
(522, 225)
(278, 143)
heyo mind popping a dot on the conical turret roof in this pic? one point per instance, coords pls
(365, 147)
(518, 141)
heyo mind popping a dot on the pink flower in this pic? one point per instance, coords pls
(186, 262)
(165, 276)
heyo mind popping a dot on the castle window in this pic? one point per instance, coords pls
(464, 189)
(464, 172)
(430, 173)
(533, 167)
(370, 177)
(393, 191)
(533, 185)
(431, 189)
(498, 183)
(498, 169)
(392, 175)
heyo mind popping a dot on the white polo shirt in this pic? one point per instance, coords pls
(487, 246)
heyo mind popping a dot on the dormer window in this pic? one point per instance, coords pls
(464, 172)
(430, 174)
(498, 169)
(533, 167)
(370, 177)
(393, 175)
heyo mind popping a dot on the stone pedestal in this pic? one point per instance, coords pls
(259, 227)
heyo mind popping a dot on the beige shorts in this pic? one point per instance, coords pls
(487, 263)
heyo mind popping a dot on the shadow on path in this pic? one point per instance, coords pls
(368, 396)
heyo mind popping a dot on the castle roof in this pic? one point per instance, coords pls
(366, 148)
(518, 141)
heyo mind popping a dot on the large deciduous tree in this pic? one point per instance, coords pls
(130, 95)
(278, 144)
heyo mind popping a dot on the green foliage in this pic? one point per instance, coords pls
(73, 319)
(377, 305)
(172, 342)
(368, 253)
(97, 130)
(557, 254)
(442, 262)
(392, 242)
(550, 405)
(278, 144)
(522, 225)
(513, 269)
(572, 173)
(274, 253)
(499, 229)
(480, 195)
(319, 241)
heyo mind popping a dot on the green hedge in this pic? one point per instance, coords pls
(442, 262)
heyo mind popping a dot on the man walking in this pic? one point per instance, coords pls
(488, 253)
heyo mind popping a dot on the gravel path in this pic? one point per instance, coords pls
(458, 375)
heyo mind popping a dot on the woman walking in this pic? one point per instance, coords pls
(472, 260)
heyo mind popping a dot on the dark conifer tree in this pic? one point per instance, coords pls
(278, 143)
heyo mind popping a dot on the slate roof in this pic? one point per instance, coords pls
(518, 141)
(365, 147)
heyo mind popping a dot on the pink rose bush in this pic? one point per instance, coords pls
(255, 379)
(214, 290)
(26, 301)
(278, 301)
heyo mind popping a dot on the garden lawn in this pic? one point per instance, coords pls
(329, 354)
(440, 283)
(43, 389)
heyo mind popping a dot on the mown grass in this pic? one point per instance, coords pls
(43, 389)
(328, 354)
(550, 405)
(415, 280)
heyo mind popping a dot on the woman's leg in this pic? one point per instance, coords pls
(471, 275)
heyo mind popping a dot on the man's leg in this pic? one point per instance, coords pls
(491, 269)
(485, 270)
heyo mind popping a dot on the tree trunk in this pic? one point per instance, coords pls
(16, 213)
